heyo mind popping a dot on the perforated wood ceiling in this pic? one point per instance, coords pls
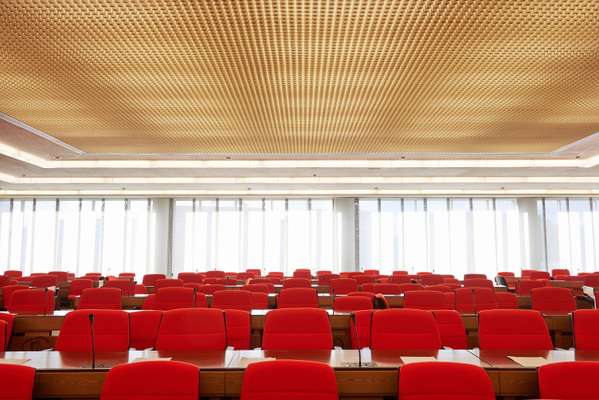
(318, 76)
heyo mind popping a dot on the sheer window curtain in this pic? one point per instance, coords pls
(77, 235)
(272, 234)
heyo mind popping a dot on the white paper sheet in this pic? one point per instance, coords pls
(245, 361)
(410, 360)
(142, 359)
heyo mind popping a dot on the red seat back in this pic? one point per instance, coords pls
(506, 300)
(302, 273)
(150, 279)
(451, 329)
(77, 286)
(8, 320)
(260, 301)
(471, 300)
(574, 380)
(539, 275)
(425, 300)
(16, 382)
(297, 329)
(111, 331)
(290, 380)
(524, 286)
(232, 299)
(342, 286)
(406, 287)
(399, 279)
(513, 330)
(298, 297)
(352, 303)
(32, 301)
(43, 281)
(296, 283)
(143, 328)
(170, 298)
(552, 300)
(557, 272)
(238, 328)
(387, 288)
(260, 287)
(13, 273)
(361, 323)
(586, 329)
(127, 286)
(215, 274)
(444, 381)
(101, 298)
(192, 329)
(152, 380)
(478, 283)
(190, 277)
(164, 283)
(211, 288)
(474, 276)
(61, 276)
(7, 292)
(432, 279)
(404, 329)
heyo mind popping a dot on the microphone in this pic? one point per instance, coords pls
(353, 319)
(195, 295)
(91, 325)
(226, 338)
(46, 306)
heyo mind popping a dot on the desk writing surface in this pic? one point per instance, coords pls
(500, 358)
(335, 358)
(218, 359)
(52, 360)
(393, 358)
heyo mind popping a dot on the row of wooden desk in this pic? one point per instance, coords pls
(38, 332)
(372, 374)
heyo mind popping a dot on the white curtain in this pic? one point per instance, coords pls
(235, 234)
(442, 235)
(77, 235)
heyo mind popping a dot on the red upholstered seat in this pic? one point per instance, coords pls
(152, 380)
(211, 288)
(7, 292)
(439, 288)
(352, 303)
(43, 281)
(513, 330)
(303, 273)
(552, 300)
(238, 328)
(298, 297)
(170, 298)
(342, 286)
(77, 286)
(471, 300)
(297, 329)
(163, 283)
(524, 286)
(399, 279)
(127, 286)
(100, 298)
(61, 276)
(539, 275)
(192, 329)
(143, 328)
(260, 301)
(478, 283)
(444, 381)
(399, 273)
(575, 380)
(325, 279)
(403, 329)
(13, 274)
(557, 272)
(432, 279)
(128, 275)
(254, 271)
(265, 281)
(425, 300)
(474, 276)
(215, 274)
(363, 279)
(111, 331)
(451, 329)
(150, 279)
(506, 300)
(32, 301)
(586, 329)
(190, 277)
(260, 287)
(360, 328)
(296, 283)
(289, 380)
(232, 299)
(406, 287)
(387, 288)
(8, 320)
(16, 382)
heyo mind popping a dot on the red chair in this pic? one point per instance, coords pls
(387, 288)
(244, 276)
(557, 272)
(478, 283)
(352, 303)
(425, 300)
(506, 274)
(94, 276)
(31, 301)
(524, 286)
(591, 280)
(143, 329)
(43, 281)
(127, 286)
(325, 280)
(472, 300)
(553, 300)
(211, 288)
(302, 273)
(260, 287)
(265, 281)
(586, 329)
(296, 283)
(215, 274)
(101, 299)
(362, 279)
(399, 279)
(360, 325)
(16, 382)
(192, 329)
(404, 329)
(474, 276)
(164, 283)
(13, 274)
(576, 380)
(232, 299)
(190, 277)
(61, 276)
(298, 297)
(290, 380)
(342, 286)
(276, 274)
(170, 298)
(111, 331)
(7, 321)
(297, 329)
(399, 273)
(127, 275)
(77, 286)
(513, 330)
(7, 292)
(451, 329)
(260, 301)
(238, 328)
(439, 288)
(534, 275)
(506, 300)
(150, 279)
(254, 271)
(444, 380)
(152, 380)
(432, 279)
(408, 287)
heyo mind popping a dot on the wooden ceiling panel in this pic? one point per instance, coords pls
(302, 77)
